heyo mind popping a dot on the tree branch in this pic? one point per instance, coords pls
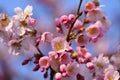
(78, 14)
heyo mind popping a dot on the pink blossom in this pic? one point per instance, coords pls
(81, 40)
(89, 6)
(59, 44)
(95, 15)
(111, 73)
(94, 30)
(46, 37)
(78, 24)
(81, 51)
(105, 24)
(65, 58)
(23, 14)
(72, 69)
(101, 63)
(44, 62)
(54, 60)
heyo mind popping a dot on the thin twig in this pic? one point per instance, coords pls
(78, 10)
(78, 14)
(37, 47)
(52, 74)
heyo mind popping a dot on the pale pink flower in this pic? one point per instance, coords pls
(71, 17)
(95, 15)
(24, 14)
(89, 6)
(46, 37)
(54, 60)
(83, 55)
(44, 62)
(111, 73)
(82, 39)
(115, 59)
(65, 58)
(94, 30)
(101, 63)
(59, 44)
(81, 51)
(105, 24)
(6, 23)
(78, 24)
(19, 46)
(72, 69)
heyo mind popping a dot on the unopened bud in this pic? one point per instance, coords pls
(36, 68)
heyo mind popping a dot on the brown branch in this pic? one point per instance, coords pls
(52, 74)
(78, 10)
(78, 14)
(37, 47)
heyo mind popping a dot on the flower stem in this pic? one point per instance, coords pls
(52, 74)
(78, 14)
(78, 10)
(38, 49)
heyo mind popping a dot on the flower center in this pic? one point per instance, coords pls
(59, 46)
(89, 6)
(92, 31)
(4, 22)
(100, 65)
(83, 51)
(44, 63)
(110, 78)
(81, 39)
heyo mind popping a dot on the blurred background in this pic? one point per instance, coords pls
(45, 11)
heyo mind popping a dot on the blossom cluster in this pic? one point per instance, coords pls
(19, 32)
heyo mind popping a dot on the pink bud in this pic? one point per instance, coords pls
(64, 74)
(90, 65)
(42, 69)
(57, 22)
(64, 19)
(63, 68)
(78, 24)
(88, 56)
(71, 17)
(59, 29)
(38, 40)
(32, 21)
(58, 76)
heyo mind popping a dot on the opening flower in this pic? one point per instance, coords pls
(24, 14)
(82, 40)
(59, 44)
